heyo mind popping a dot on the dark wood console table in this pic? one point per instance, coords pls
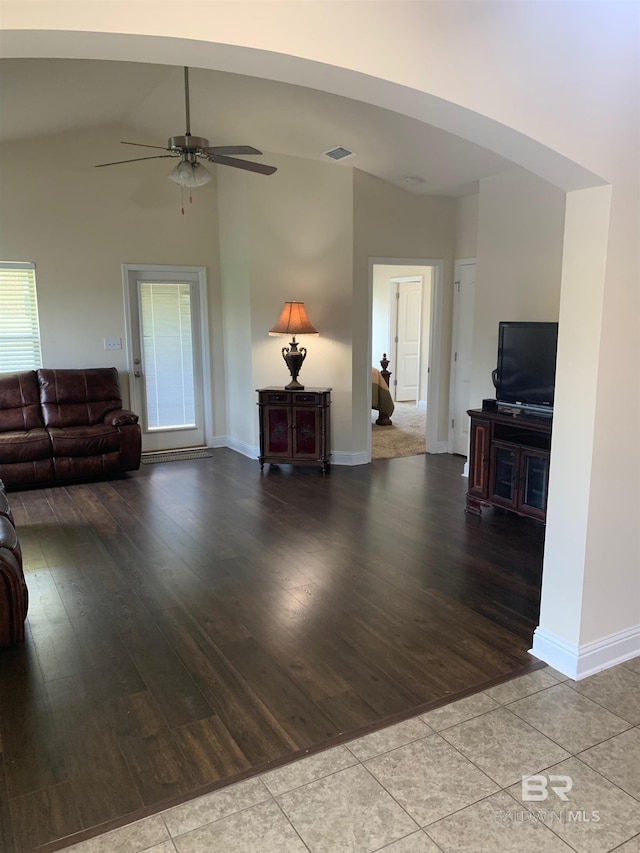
(295, 426)
(509, 463)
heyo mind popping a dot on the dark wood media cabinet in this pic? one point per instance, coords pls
(295, 426)
(508, 463)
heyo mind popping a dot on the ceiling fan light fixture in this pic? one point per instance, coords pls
(188, 174)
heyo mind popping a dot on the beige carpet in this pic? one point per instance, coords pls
(406, 437)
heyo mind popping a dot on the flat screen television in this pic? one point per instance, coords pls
(526, 372)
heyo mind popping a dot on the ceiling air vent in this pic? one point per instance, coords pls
(338, 153)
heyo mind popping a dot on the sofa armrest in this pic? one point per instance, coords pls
(14, 598)
(121, 417)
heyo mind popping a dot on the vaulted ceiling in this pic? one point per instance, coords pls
(39, 97)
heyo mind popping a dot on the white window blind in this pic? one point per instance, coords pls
(168, 354)
(19, 327)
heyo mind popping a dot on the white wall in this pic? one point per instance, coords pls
(380, 325)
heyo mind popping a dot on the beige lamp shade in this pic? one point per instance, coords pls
(293, 321)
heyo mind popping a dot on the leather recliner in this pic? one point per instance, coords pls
(14, 597)
(63, 425)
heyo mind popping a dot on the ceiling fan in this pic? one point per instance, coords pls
(190, 172)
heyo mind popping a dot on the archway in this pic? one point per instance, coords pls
(301, 50)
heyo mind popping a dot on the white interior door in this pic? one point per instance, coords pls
(464, 299)
(166, 356)
(407, 339)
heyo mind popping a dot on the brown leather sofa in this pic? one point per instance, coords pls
(14, 598)
(63, 425)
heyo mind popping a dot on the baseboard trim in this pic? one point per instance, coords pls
(579, 662)
(337, 457)
(241, 447)
(341, 457)
(437, 446)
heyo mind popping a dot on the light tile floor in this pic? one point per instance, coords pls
(448, 781)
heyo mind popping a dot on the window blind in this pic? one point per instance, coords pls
(168, 354)
(19, 326)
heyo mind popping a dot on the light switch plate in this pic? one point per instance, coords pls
(112, 343)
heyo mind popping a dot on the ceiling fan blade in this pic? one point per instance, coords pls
(144, 145)
(135, 160)
(242, 164)
(231, 149)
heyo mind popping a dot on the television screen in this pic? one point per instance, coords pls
(526, 371)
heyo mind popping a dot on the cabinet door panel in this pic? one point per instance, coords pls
(278, 432)
(504, 474)
(479, 458)
(535, 481)
(306, 432)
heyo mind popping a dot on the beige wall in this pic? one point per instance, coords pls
(464, 48)
(79, 225)
(390, 223)
(519, 263)
(467, 226)
(262, 240)
(439, 62)
(576, 384)
(235, 275)
(288, 237)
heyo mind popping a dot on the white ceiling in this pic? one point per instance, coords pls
(39, 97)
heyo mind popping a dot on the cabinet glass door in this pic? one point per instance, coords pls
(535, 474)
(504, 474)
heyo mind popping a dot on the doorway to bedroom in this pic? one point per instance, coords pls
(403, 297)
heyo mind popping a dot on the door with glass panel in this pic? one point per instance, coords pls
(166, 358)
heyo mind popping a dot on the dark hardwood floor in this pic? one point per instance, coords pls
(198, 620)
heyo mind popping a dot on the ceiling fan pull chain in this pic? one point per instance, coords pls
(182, 198)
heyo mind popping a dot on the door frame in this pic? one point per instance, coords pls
(175, 270)
(459, 262)
(435, 337)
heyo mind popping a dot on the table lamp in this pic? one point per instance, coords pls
(293, 321)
